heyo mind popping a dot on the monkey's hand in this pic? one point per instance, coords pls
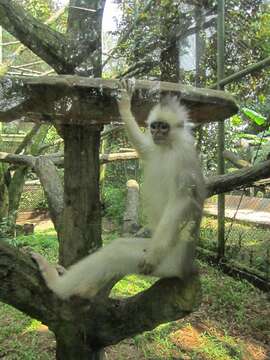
(49, 272)
(124, 97)
(152, 260)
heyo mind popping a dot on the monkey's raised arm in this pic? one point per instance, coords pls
(138, 139)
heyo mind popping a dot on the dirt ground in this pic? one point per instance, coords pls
(41, 220)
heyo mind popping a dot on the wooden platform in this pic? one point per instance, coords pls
(252, 210)
(74, 100)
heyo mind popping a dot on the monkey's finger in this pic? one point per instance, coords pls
(39, 260)
(146, 268)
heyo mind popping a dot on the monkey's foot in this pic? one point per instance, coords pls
(40, 260)
(146, 268)
(60, 269)
(48, 271)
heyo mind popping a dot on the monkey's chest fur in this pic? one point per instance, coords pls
(161, 181)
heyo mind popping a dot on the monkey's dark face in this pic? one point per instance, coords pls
(160, 132)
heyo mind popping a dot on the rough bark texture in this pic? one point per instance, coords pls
(78, 100)
(82, 230)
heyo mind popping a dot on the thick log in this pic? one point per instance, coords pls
(23, 287)
(75, 100)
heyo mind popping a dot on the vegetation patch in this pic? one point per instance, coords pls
(232, 323)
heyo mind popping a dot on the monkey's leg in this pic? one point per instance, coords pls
(91, 274)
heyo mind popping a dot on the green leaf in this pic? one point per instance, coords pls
(236, 120)
(254, 116)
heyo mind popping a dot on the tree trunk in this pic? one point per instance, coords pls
(81, 232)
(169, 63)
(74, 347)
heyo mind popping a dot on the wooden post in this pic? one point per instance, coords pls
(221, 131)
(81, 233)
(131, 215)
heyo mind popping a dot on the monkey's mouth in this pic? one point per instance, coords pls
(159, 140)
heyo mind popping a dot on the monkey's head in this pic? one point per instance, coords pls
(166, 120)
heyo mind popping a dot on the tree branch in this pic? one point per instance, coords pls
(53, 188)
(192, 30)
(47, 43)
(235, 160)
(166, 300)
(215, 185)
(27, 160)
(106, 158)
(239, 178)
(57, 158)
(128, 31)
(238, 75)
(49, 178)
(21, 284)
(23, 288)
(28, 138)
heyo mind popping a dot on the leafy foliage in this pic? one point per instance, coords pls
(254, 116)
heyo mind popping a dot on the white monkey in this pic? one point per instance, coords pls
(173, 193)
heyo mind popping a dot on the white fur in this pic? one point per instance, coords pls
(173, 193)
(170, 111)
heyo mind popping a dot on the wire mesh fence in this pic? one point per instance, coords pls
(247, 236)
(33, 197)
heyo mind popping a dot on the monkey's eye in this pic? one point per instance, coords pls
(161, 125)
(154, 125)
(164, 126)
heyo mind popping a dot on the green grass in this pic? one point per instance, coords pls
(233, 318)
